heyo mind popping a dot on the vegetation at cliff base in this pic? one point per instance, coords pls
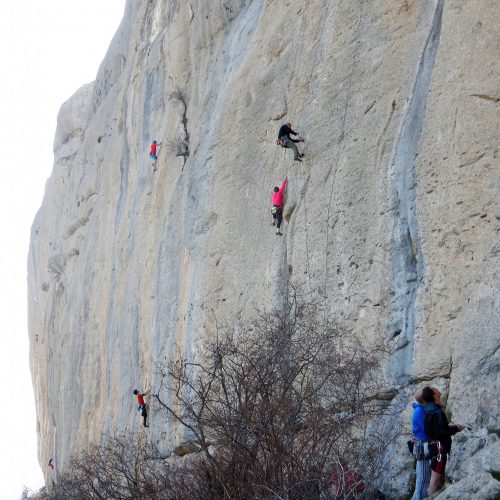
(281, 409)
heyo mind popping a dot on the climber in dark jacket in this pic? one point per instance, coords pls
(285, 141)
(432, 398)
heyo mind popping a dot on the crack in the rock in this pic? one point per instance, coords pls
(494, 100)
(407, 258)
(471, 162)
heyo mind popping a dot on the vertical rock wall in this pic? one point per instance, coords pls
(395, 211)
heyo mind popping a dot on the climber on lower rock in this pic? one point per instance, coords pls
(285, 141)
(142, 405)
(277, 209)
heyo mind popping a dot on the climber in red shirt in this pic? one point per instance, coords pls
(152, 153)
(142, 405)
(277, 209)
(347, 482)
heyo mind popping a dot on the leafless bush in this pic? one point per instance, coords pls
(287, 402)
(178, 147)
(122, 467)
(279, 411)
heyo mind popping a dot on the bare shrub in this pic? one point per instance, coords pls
(122, 467)
(287, 403)
(280, 411)
(178, 147)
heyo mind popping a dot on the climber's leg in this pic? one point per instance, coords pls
(290, 144)
(279, 220)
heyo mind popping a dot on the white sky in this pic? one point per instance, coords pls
(48, 49)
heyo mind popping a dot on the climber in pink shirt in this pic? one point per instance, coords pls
(277, 209)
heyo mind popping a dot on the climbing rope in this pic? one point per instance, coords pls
(298, 55)
(283, 162)
(294, 70)
(311, 63)
(341, 145)
(297, 109)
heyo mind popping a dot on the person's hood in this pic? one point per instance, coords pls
(417, 405)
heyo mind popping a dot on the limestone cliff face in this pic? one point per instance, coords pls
(396, 211)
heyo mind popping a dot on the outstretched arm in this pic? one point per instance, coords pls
(454, 428)
(294, 133)
(283, 186)
(451, 429)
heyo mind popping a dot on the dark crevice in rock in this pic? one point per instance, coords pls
(471, 162)
(494, 100)
(180, 145)
(407, 258)
(124, 164)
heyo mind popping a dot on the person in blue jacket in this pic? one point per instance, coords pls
(423, 464)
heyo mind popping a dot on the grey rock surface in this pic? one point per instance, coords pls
(393, 214)
(479, 486)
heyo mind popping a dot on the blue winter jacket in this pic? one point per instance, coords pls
(417, 422)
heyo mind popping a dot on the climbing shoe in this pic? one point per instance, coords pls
(297, 159)
(279, 233)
